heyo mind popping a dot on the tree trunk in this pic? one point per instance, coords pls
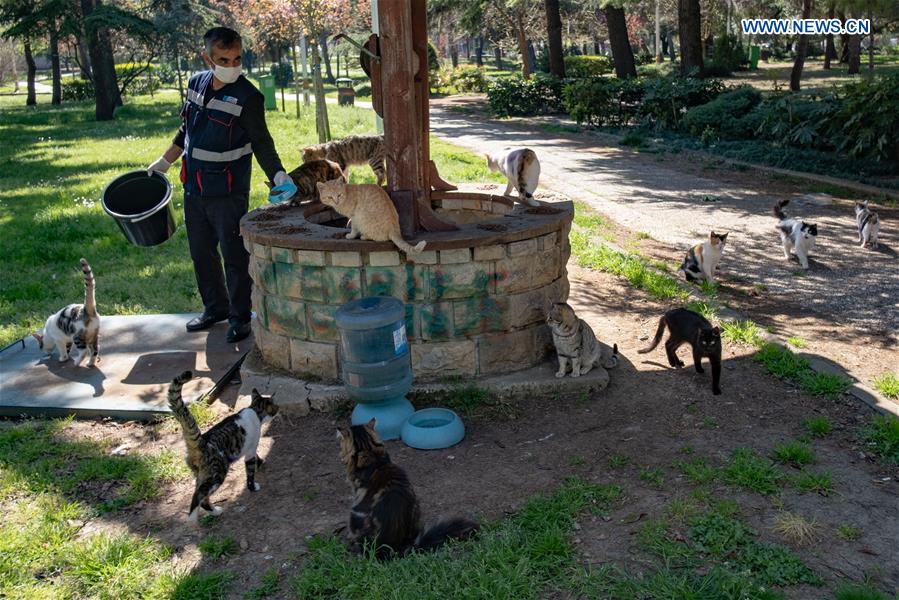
(54, 67)
(532, 57)
(84, 61)
(855, 54)
(554, 35)
(99, 46)
(622, 55)
(178, 71)
(522, 37)
(871, 41)
(322, 126)
(454, 56)
(479, 52)
(323, 44)
(296, 75)
(595, 47)
(31, 98)
(498, 56)
(830, 52)
(801, 50)
(689, 24)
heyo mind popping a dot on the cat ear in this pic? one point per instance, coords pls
(723, 236)
(716, 330)
(372, 424)
(39, 337)
(343, 432)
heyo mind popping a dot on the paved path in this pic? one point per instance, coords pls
(859, 287)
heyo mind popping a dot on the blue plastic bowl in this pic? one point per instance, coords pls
(282, 193)
(433, 428)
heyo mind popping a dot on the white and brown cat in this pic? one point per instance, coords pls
(522, 170)
(76, 324)
(702, 259)
(370, 210)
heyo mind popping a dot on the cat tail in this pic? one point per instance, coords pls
(189, 427)
(656, 339)
(405, 246)
(778, 207)
(90, 300)
(435, 536)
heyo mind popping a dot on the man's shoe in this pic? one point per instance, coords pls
(237, 332)
(204, 321)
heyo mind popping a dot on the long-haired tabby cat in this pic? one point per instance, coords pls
(688, 327)
(385, 509)
(522, 170)
(702, 259)
(795, 234)
(868, 224)
(352, 150)
(370, 210)
(210, 454)
(576, 343)
(308, 174)
(77, 324)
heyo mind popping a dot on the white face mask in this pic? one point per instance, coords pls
(227, 74)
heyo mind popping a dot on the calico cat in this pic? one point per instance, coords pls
(370, 210)
(522, 170)
(385, 509)
(795, 234)
(686, 326)
(575, 342)
(702, 259)
(352, 150)
(210, 454)
(77, 324)
(868, 224)
(308, 174)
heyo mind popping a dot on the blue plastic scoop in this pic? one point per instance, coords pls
(282, 193)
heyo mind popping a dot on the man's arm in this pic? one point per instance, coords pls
(252, 119)
(162, 164)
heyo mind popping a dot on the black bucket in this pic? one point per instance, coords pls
(141, 204)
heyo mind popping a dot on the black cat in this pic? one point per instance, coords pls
(688, 327)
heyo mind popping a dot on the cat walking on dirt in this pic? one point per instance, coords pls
(385, 509)
(522, 170)
(370, 210)
(702, 259)
(576, 344)
(795, 234)
(688, 327)
(76, 324)
(210, 454)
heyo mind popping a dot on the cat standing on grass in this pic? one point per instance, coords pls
(352, 150)
(385, 509)
(868, 224)
(210, 454)
(522, 170)
(795, 234)
(77, 324)
(576, 343)
(370, 210)
(702, 259)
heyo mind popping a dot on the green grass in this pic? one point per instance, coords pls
(797, 342)
(850, 533)
(882, 438)
(202, 586)
(808, 481)
(794, 453)
(267, 586)
(783, 363)
(703, 308)
(655, 477)
(888, 385)
(747, 469)
(698, 470)
(215, 547)
(466, 398)
(741, 332)
(818, 426)
(618, 461)
(859, 591)
(55, 161)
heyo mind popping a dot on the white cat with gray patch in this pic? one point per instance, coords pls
(76, 324)
(795, 234)
(868, 224)
(522, 170)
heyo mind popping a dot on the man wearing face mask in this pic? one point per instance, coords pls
(222, 127)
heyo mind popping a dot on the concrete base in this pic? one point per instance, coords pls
(299, 397)
(139, 356)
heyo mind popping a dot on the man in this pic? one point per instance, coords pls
(222, 127)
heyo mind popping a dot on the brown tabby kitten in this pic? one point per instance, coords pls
(385, 510)
(210, 454)
(688, 327)
(77, 324)
(352, 150)
(310, 173)
(576, 343)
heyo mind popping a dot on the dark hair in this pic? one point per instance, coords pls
(223, 37)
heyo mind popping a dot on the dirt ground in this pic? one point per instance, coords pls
(647, 414)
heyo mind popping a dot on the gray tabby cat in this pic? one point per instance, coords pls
(77, 324)
(868, 224)
(352, 150)
(210, 454)
(576, 343)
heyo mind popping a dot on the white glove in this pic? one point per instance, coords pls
(160, 165)
(281, 177)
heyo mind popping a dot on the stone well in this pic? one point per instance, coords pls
(476, 298)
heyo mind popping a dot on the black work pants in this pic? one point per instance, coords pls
(213, 224)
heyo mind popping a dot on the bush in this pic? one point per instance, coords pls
(865, 125)
(797, 119)
(146, 81)
(283, 74)
(433, 61)
(729, 56)
(468, 79)
(166, 74)
(515, 96)
(580, 67)
(667, 98)
(75, 89)
(363, 89)
(725, 115)
(603, 101)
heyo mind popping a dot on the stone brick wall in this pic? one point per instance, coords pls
(470, 311)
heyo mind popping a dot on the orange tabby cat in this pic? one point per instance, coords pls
(373, 216)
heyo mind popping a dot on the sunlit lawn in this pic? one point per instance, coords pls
(54, 163)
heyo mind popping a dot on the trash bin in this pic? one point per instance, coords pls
(345, 93)
(754, 53)
(267, 87)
